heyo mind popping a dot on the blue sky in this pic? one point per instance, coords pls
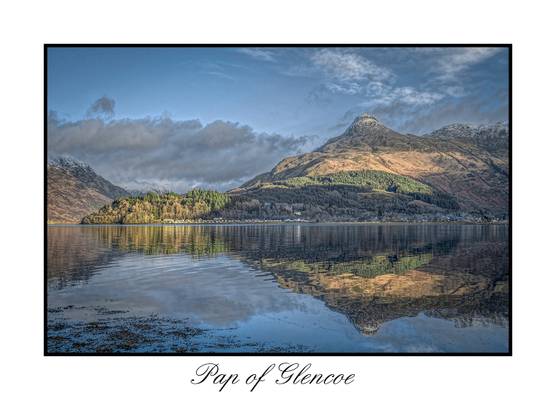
(284, 100)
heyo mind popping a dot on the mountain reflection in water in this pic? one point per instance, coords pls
(371, 274)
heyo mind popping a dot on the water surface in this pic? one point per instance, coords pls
(284, 288)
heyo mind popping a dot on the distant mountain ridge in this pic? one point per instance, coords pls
(497, 130)
(494, 138)
(466, 163)
(74, 190)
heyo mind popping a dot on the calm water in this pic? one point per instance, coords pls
(265, 288)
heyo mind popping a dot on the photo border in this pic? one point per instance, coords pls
(48, 46)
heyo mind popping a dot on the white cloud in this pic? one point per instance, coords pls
(221, 75)
(343, 87)
(349, 73)
(347, 66)
(453, 62)
(379, 93)
(258, 54)
(411, 96)
(454, 91)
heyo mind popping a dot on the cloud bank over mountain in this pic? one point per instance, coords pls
(164, 153)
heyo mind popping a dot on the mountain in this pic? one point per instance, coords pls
(494, 138)
(372, 171)
(74, 190)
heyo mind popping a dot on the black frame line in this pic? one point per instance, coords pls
(267, 45)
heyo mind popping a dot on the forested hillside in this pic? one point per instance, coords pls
(159, 208)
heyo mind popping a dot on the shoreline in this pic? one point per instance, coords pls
(220, 223)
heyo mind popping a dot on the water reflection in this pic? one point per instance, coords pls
(372, 274)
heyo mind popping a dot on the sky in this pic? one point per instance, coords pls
(178, 118)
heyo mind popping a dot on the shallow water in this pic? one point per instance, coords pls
(285, 288)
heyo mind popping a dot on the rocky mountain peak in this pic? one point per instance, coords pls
(454, 131)
(365, 133)
(364, 121)
(367, 125)
(69, 163)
